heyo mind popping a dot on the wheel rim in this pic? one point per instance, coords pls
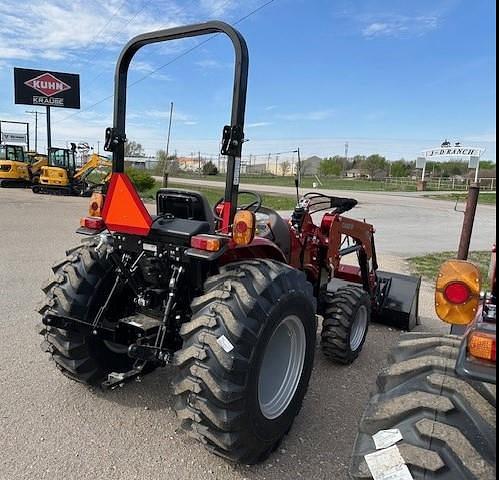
(282, 367)
(359, 328)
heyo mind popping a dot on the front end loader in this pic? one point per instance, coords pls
(229, 294)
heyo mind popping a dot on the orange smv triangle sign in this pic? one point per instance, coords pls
(123, 210)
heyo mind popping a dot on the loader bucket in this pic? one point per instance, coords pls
(400, 302)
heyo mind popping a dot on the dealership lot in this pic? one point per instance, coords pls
(56, 429)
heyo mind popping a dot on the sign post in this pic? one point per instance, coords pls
(473, 154)
(48, 89)
(49, 130)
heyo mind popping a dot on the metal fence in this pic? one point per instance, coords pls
(440, 184)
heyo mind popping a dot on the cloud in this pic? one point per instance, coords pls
(15, 52)
(314, 116)
(400, 26)
(54, 30)
(258, 124)
(178, 116)
(208, 63)
(487, 137)
(217, 8)
(149, 70)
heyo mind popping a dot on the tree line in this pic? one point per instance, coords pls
(377, 165)
(336, 166)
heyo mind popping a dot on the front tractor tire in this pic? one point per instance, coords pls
(247, 358)
(80, 284)
(347, 314)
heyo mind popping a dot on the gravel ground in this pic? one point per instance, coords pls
(52, 428)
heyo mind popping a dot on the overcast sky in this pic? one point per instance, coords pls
(388, 76)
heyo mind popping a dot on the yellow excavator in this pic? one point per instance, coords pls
(62, 176)
(19, 168)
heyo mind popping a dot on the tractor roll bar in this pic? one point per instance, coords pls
(233, 137)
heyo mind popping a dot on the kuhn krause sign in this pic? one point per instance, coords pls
(44, 88)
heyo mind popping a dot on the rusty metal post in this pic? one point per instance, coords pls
(469, 221)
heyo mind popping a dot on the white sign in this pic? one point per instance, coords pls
(474, 162)
(14, 137)
(421, 162)
(455, 151)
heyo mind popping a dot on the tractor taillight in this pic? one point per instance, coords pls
(244, 227)
(457, 293)
(93, 223)
(208, 243)
(483, 346)
(96, 205)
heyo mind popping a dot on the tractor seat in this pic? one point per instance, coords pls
(185, 205)
(279, 230)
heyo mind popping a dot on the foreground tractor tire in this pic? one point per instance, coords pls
(448, 423)
(80, 285)
(347, 314)
(247, 358)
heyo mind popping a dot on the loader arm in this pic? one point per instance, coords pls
(39, 162)
(94, 162)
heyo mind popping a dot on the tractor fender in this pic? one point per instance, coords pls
(260, 248)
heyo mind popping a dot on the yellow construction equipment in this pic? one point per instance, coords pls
(62, 176)
(19, 168)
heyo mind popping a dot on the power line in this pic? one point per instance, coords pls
(178, 57)
(101, 31)
(131, 19)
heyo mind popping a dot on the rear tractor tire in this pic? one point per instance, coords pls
(448, 424)
(80, 285)
(247, 358)
(347, 314)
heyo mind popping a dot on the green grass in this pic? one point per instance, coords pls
(485, 198)
(276, 202)
(307, 182)
(428, 265)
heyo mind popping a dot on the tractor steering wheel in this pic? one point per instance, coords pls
(253, 206)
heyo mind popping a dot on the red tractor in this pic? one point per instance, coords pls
(228, 294)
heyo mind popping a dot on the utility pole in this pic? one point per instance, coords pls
(165, 167)
(347, 148)
(276, 165)
(35, 113)
(299, 166)
(98, 147)
(199, 161)
(49, 131)
(268, 162)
